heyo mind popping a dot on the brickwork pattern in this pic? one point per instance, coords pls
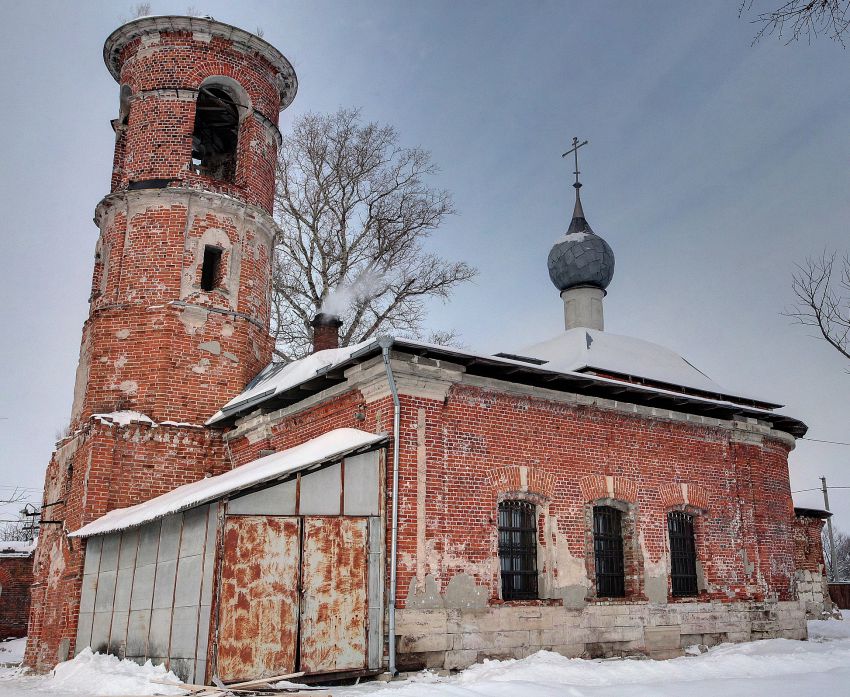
(475, 438)
(15, 580)
(156, 143)
(155, 342)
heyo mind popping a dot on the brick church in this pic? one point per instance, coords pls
(391, 504)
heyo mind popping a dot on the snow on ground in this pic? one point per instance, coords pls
(774, 667)
(12, 650)
(770, 668)
(90, 674)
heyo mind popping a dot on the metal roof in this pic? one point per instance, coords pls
(620, 388)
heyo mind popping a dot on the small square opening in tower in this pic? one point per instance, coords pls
(211, 268)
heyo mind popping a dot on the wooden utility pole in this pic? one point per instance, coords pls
(832, 559)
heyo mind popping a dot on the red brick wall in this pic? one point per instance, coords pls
(808, 543)
(154, 341)
(479, 441)
(157, 143)
(15, 580)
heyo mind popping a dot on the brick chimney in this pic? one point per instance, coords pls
(325, 331)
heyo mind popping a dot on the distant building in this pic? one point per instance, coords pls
(387, 505)
(15, 581)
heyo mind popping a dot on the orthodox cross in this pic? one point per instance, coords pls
(574, 150)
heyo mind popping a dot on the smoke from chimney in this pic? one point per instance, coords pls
(325, 331)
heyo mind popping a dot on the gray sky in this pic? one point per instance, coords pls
(712, 167)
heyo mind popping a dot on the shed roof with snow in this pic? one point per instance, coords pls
(328, 447)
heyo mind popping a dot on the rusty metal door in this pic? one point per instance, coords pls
(258, 606)
(334, 596)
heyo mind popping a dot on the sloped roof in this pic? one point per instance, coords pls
(327, 447)
(611, 371)
(15, 548)
(577, 350)
(278, 377)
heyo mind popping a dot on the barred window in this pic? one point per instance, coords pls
(518, 549)
(608, 552)
(683, 556)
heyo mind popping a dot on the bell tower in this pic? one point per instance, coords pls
(180, 299)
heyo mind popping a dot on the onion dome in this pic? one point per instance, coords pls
(581, 257)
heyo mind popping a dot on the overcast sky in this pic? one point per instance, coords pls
(713, 167)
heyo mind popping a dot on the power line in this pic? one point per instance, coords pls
(831, 442)
(817, 488)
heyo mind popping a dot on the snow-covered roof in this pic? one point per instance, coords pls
(15, 548)
(577, 350)
(324, 448)
(277, 378)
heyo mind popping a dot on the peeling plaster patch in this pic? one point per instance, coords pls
(150, 39)
(82, 377)
(428, 599)
(462, 592)
(121, 361)
(227, 329)
(57, 564)
(129, 387)
(202, 366)
(230, 356)
(566, 575)
(122, 334)
(212, 347)
(702, 585)
(655, 575)
(749, 566)
(193, 318)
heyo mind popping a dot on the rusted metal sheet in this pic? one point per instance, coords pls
(258, 610)
(334, 599)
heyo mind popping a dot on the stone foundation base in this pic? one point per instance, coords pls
(455, 638)
(813, 593)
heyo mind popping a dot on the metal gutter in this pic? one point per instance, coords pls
(386, 343)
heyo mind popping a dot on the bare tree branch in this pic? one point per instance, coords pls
(355, 209)
(795, 19)
(842, 554)
(823, 299)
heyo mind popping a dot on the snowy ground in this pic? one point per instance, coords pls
(774, 668)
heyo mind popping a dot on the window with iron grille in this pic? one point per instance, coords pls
(683, 555)
(608, 552)
(518, 549)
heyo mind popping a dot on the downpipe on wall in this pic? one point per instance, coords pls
(386, 343)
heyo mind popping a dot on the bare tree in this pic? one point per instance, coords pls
(795, 19)
(823, 299)
(355, 209)
(842, 554)
(20, 529)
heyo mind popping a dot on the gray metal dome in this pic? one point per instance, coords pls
(581, 257)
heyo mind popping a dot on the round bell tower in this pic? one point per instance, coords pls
(180, 298)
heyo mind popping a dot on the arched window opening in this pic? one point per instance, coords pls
(216, 133)
(518, 549)
(683, 555)
(211, 268)
(608, 552)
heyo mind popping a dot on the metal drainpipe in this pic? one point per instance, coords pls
(386, 343)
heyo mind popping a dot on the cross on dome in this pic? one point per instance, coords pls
(574, 150)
